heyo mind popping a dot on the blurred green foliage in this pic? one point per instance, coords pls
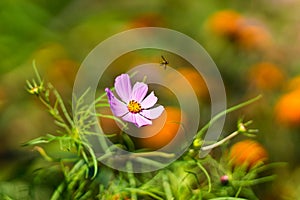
(59, 34)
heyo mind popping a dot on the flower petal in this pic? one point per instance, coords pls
(149, 101)
(117, 107)
(142, 121)
(152, 113)
(137, 119)
(129, 117)
(139, 91)
(123, 87)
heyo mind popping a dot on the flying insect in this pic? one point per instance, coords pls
(164, 62)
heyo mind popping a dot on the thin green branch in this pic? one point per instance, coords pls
(207, 176)
(214, 145)
(131, 178)
(167, 187)
(62, 105)
(144, 192)
(219, 115)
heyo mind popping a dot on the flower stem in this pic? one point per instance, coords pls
(219, 115)
(167, 187)
(212, 146)
(207, 176)
(155, 153)
(132, 181)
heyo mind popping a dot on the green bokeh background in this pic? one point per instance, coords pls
(59, 34)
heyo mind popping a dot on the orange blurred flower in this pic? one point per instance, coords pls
(246, 32)
(225, 22)
(247, 153)
(253, 35)
(287, 109)
(195, 80)
(108, 125)
(165, 134)
(266, 76)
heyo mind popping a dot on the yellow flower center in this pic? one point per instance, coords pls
(134, 107)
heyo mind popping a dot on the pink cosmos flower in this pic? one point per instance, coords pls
(134, 106)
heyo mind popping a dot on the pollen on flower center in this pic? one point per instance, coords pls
(134, 107)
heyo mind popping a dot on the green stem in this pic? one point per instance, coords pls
(257, 181)
(154, 153)
(207, 176)
(132, 181)
(209, 147)
(167, 187)
(62, 105)
(144, 192)
(219, 115)
(58, 192)
(239, 191)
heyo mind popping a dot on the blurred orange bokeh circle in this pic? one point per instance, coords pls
(246, 32)
(108, 125)
(266, 76)
(165, 134)
(287, 109)
(247, 153)
(225, 22)
(253, 36)
(194, 78)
